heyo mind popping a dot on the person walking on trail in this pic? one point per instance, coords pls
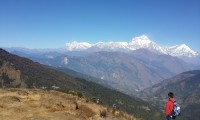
(170, 107)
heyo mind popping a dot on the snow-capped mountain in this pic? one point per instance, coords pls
(109, 46)
(141, 42)
(136, 43)
(77, 46)
(181, 50)
(144, 42)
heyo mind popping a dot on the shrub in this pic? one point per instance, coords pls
(79, 94)
(103, 113)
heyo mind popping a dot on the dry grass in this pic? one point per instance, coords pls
(24, 104)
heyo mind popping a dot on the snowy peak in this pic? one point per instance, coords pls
(141, 40)
(144, 42)
(182, 50)
(77, 46)
(111, 45)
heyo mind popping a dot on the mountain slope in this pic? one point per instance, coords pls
(167, 64)
(128, 72)
(186, 87)
(29, 74)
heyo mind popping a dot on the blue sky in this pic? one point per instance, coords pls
(52, 23)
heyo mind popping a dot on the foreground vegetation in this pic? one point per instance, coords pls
(29, 104)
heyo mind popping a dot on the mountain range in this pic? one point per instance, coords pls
(129, 73)
(136, 43)
(141, 42)
(127, 67)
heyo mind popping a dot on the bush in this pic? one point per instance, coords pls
(103, 113)
(79, 94)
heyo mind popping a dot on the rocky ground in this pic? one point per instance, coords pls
(35, 104)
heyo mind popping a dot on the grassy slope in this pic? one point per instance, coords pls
(28, 104)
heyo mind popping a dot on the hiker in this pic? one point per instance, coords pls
(170, 107)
